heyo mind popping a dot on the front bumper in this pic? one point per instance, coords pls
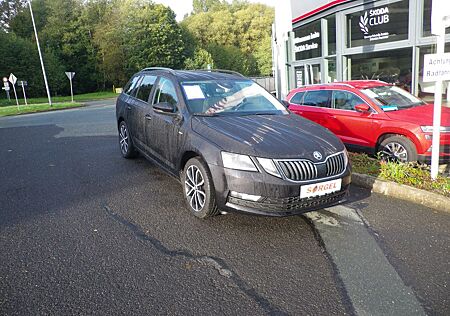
(444, 155)
(278, 197)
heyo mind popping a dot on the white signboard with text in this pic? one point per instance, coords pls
(436, 67)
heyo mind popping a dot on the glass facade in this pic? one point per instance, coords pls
(307, 41)
(380, 40)
(382, 24)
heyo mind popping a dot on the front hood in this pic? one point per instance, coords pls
(420, 115)
(270, 136)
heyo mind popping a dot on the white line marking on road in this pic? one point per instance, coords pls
(372, 283)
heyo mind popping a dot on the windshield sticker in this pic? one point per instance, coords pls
(193, 92)
(387, 108)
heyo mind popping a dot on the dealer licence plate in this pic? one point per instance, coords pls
(321, 188)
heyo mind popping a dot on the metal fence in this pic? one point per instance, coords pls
(267, 83)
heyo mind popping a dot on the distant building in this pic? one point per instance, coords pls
(324, 41)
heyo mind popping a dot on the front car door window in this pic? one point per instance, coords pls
(165, 92)
(344, 100)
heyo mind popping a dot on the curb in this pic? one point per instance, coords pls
(403, 192)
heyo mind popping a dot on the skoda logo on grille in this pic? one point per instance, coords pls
(317, 155)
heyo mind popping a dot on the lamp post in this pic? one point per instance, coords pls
(40, 55)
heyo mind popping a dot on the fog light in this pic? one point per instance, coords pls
(245, 196)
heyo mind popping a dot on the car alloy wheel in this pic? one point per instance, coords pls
(395, 152)
(397, 148)
(126, 143)
(195, 191)
(198, 188)
(123, 139)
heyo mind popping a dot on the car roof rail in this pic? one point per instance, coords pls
(159, 68)
(328, 84)
(231, 72)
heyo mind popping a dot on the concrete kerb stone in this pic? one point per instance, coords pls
(403, 192)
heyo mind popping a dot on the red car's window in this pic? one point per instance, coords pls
(344, 100)
(320, 98)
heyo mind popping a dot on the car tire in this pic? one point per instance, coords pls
(198, 189)
(397, 148)
(126, 146)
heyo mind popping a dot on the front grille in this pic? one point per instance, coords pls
(304, 170)
(335, 165)
(298, 170)
(291, 204)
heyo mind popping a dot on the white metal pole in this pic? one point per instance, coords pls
(40, 55)
(24, 95)
(71, 89)
(437, 112)
(15, 94)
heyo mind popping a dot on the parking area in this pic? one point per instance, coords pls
(84, 231)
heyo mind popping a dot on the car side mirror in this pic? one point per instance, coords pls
(362, 107)
(164, 107)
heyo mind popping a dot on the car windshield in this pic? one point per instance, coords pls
(392, 98)
(227, 97)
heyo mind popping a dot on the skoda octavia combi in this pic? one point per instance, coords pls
(232, 145)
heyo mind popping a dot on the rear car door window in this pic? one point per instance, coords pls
(145, 88)
(297, 98)
(319, 98)
(344, 100)
(165, 92)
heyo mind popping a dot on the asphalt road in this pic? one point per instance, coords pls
(84, 231)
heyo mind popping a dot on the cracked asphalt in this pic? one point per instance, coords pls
(84, 231)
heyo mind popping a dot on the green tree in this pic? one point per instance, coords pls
(208, 5)
(8, 10)
(237, 35)
(138, 34)
(20, 56)
(201, 59)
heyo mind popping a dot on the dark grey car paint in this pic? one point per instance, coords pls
(271, 136)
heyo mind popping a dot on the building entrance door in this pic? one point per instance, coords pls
(307, 73)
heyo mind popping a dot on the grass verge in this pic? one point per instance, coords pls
(412, 174)
(13, 110)
(77, 98)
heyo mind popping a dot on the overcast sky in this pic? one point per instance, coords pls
(181, 7)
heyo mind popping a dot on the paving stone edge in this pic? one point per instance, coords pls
(403, 192)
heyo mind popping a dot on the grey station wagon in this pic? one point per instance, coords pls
(231, 144)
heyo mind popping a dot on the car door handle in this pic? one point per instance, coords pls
(148, 117)
(128, 107)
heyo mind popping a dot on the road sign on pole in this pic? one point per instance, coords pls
(70, 75)
(6, 87)
(440, 20)
(23, 84)
(13, 80)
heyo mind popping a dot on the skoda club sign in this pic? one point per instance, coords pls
(370, 20)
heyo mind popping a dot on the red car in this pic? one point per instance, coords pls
(374, 116)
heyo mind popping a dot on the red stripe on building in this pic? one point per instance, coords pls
(319, 9)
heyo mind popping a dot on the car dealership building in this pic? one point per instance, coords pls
(323, 41)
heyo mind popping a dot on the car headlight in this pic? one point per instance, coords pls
(345, 157)
(429, 129)
(269, 166)
(238, 162)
